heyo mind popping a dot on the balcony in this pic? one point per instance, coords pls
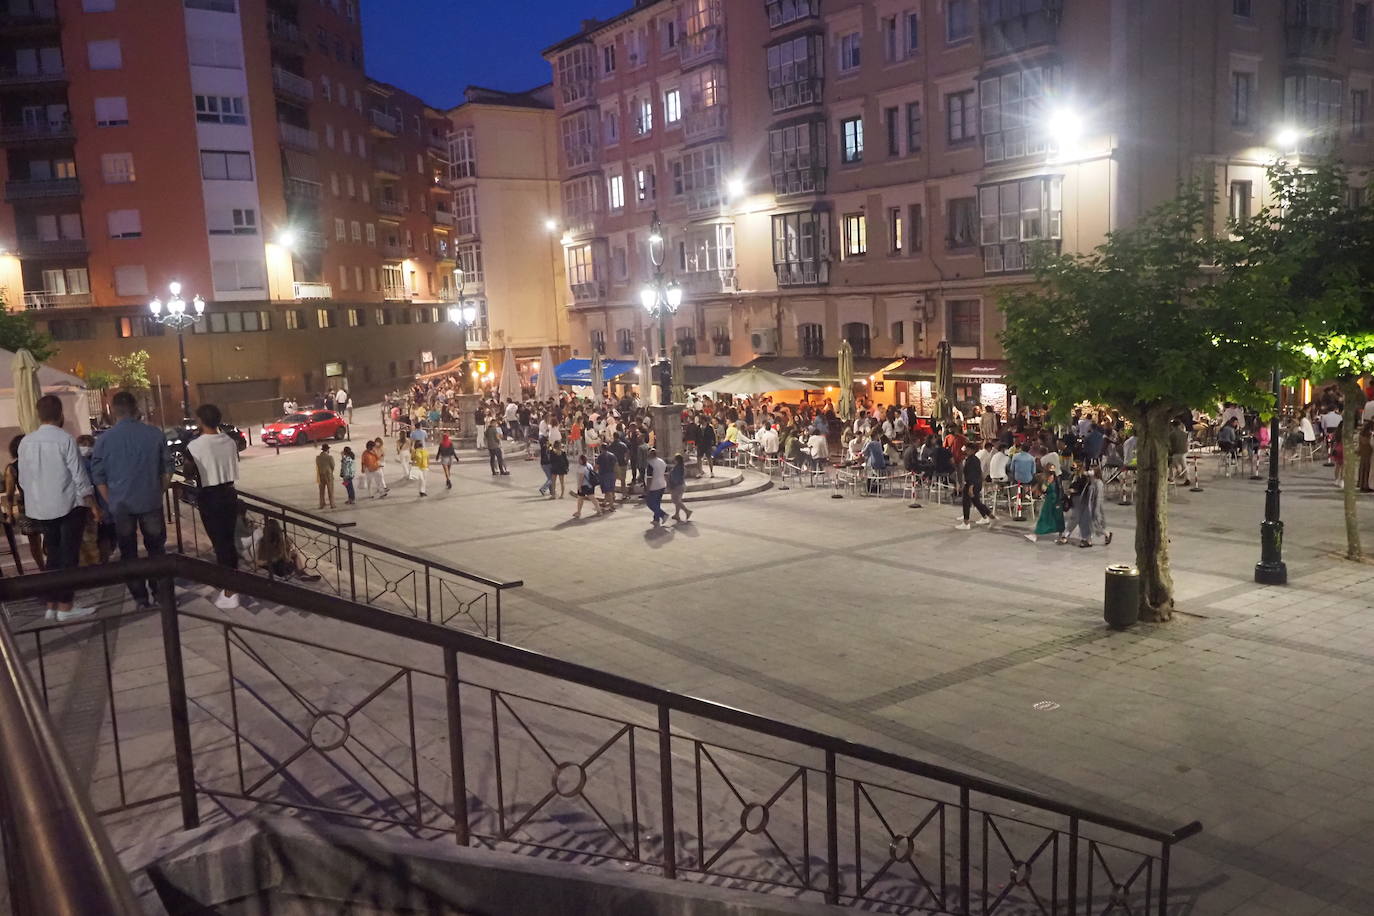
(705, 200)
(51, 248)
(443, 217)
(795, 94)
(591, 291)
(799, 181)
(577, 92)
(46, 300)
(1010, 33)
(704, 123)
(15, 79)
(292, 86)
(298, 138)
(383, 124)
(437, 144)
(303, 189)
(389, 206)
(803, 273)
(391, 252)
(302, 290)
(285, 33)
(16, 23)
(703, 45)
(388, 166)
(36, 133)
(709, 282)
(44, 189)
(395, 294)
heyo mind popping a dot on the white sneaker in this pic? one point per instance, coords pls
(963, 526)
(227, 602)
(51, 615)
(75, 613)
(987, 520)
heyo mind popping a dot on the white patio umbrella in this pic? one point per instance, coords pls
(598, 378)
(26, 390)
(509, 385)
(845, 377)
(546, 386)
(646, 377)
(753, 380)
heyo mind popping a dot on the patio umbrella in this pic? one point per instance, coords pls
(646, 377)
(26, 391)
(753, 380)
(944, 381)
(509, 385)
(845, 408)
(598, 378)
(679, 378)
(546, 386)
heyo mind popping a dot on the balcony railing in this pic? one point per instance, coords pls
(802, 273)
(30, 21)
(298, 137)
(396, 293)
(443, 217)
(288, 83)
(25, 133)
(710, 281)
(11, 77)
(311, 241)
(301, 189)
(589, 291)
(391, 251)
(49, 248)
(41, 299)
(702, 45)
(438, 144)
(283, 31)
(301, 290)
(214, 6)
(27, 189)
(389, 205)
(705, 122)
(388, 165)
(383, 122)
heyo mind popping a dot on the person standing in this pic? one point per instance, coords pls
(973, 489)
(987, 424)
(656, 475)
(217, 464)
(324, 475)
(347, 468)
(546, 465)
(491, 438)
(1092, 518)
(57, 496)
(419, 456)
(447, 454)
(558, 467)
(1366, 451)
(131, 468)
(677, 486)
(706, 447)
(343, 403)
(14, 507)
(605, 473)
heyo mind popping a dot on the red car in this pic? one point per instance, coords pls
(310, 426)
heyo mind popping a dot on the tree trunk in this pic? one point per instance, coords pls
(1152, 516)
(1354, 407)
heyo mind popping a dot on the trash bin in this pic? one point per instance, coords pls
(1121, 601)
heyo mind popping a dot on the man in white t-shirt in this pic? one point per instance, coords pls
(217, 464)
(657, 475)
(1050, 461)
(343, 403)
(997, 464)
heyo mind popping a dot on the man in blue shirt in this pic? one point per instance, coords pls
(1022, 467)
(132, 467)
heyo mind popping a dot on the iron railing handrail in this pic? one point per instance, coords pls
(341, 609)
(57, 854)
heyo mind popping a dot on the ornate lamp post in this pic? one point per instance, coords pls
(463, 314)
(174, 315)
(661, 298)
(1271, 570)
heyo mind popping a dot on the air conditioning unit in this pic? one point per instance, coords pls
(764, 342)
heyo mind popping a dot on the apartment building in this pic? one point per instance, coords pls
(883, 166)
(238, 147)
(506, 224)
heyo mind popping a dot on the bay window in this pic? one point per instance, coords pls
(1014, 214)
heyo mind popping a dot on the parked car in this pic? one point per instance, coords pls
(304, 426)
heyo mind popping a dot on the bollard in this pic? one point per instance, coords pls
(1020, 507)
(1197, 478)
(1121, 597)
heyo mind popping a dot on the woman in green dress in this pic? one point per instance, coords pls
(1051, 519)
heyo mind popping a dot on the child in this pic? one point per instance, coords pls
(98, 540)
(347, 465)
(419, 459)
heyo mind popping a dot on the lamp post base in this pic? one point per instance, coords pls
(667, 426)
(1271, 570)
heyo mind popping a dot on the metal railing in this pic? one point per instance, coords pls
(31, 188)
(311, 290)
(292, 84)
(590, 766)
(383, 122)
(40, 299)
(300, 138)
(358, 568)
(33, 247)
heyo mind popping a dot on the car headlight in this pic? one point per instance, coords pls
(288, 432)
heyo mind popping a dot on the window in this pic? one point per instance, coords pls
(1015, 214)
(616, 193)
(294, 319)
(811, 338)
(894, 230)
(891, 118)
(610, 128)
(209, 51)
(858, 336)
(464, 154)
(911, 32)
(644, 116)
(124, 224)
(578, 139)
(1314, 102)
(608, 60)
(888, 29)
(67, 282)
(963, 222)
(958, 20)
(852, 140)
(801, 248)
(465, 211)
(795, 68)
(916, 228)
(672, 106)
(855, 235)
(371, 234)
(224, 165)
(573, 73)
(131, 280)
(104, 54)
(1360, 23)
(356, 231)
(965, 322)
(698, 175)
(117, 168)
(720, 340)
(850, 52)
(913, 128)
(960, 110)
(326, 89)
(343, 278)
(236, 275)
(625, 339)
(137, 326)
(1359, 113)
(70, 329)
(112, 111)
(326, 318)
(1242, 90)
(340, 230)
(797, 158)
(646, 184)
(220, 109)
(469, 259)
(1243, 8)
(598, 339)
(898, 333)
(233, 221)
(1240, 201)
(781, 12)
(685, 341)
(1012, 114)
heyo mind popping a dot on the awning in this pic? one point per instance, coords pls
(967, 371)
(447, 368)
(579, 371)
(823, 371)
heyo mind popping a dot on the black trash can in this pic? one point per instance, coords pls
(1121, 601)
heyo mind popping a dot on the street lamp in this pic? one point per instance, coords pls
(174, 315)
(661, 299)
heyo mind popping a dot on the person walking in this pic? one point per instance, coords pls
(419, 458)
(57, 496)
(491, 438)
(657, 483)
(972, 489)
(605, 475)
(677, 486)
(558, 468)
(546, 465)
(324, 475)
(1092, 518)
(1051, 518)
(447, 455)
(217, 465)
(131, 468)
(348, 464)
(586, 486)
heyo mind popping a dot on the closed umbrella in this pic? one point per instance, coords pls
(646, 377)
(509, 385)
(598, 377)
(753, 380)
(26, 391)
(845, 378)
(679, 378)
(546, 386)
(944, 381)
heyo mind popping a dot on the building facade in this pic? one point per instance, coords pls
(504, 171)
(876, 170)
(238, 147)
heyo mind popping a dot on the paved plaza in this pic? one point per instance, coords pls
(881, 623)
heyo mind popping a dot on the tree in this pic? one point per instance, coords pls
(102, 381)
(131, 371)
(17, 332)
(1136, 324)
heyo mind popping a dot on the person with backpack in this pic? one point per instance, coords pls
(677, 486)
(348, 464)
(586, 486)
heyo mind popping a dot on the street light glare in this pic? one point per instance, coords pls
(648, 297)
(287, 238)
(735, 187)
(1064, 126)
(1287, 138)
(550, 225)
(175, 288)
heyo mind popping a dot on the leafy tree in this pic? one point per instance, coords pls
(1136, 324)
(131, 371)
(102, 381)
(17, 332)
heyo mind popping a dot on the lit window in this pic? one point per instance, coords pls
(852, 140)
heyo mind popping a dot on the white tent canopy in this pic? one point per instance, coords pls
(69, 388)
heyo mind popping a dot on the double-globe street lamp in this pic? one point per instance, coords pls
(174, 315)
(661, 298)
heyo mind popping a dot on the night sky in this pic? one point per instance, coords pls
(434, 48)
